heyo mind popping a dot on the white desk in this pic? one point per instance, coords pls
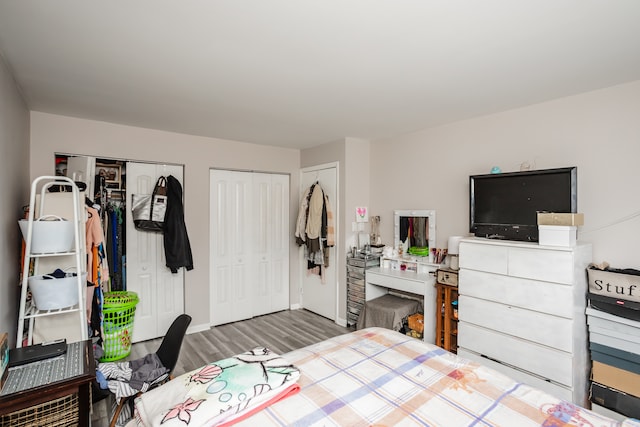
(380, 280)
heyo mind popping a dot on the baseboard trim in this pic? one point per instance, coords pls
(198, 328)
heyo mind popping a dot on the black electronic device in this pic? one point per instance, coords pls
(37, 352)
(505, 205)
(616, 306)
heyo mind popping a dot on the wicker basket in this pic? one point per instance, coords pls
(60, 412)
(118, 310)
(416, 322)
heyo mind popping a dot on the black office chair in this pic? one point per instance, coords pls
(168, 353)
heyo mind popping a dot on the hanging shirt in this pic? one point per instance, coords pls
(95, 239)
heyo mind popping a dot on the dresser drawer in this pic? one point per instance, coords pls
(545, 297)
(354, 307)
(355, 280)
(545, 362)
(483, 257)
(550, 266)
(563, 392)
(524, 324)
(523, 260)
(355, 293)
(362, 262)
(355, 271)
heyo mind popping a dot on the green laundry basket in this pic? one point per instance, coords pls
(118, 310)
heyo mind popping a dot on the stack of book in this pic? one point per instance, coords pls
(613, 317)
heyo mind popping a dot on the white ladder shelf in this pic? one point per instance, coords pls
(28, 311)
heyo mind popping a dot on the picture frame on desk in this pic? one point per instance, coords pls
(411, 267)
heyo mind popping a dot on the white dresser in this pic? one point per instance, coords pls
(522, 312)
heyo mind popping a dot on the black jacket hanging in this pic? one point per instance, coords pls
(177, 248)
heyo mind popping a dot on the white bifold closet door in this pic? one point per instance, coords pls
(161, 292)
(249, 244)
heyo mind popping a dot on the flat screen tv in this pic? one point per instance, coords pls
(505, 205)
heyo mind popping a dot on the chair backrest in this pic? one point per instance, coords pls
(169, 349)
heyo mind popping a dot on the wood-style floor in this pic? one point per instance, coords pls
(281, 332)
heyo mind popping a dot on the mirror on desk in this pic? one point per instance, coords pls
(415, 231)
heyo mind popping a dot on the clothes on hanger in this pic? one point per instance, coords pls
(116, 244)
(97, 270)
(315, 229)
(177, 248)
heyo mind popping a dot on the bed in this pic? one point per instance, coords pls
(379, 377)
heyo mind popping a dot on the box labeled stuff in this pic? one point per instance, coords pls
(615, 283)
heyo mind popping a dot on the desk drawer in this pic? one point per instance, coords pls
(398, 283)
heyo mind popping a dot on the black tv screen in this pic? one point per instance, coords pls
(505, 205)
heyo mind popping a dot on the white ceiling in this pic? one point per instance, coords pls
(298, 73)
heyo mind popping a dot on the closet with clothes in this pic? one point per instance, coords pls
(123, 258)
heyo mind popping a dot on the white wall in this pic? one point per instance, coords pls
(53, 133)
(357, 187)
(15, 183)
(599, 132)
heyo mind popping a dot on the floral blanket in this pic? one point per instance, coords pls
(220, 393)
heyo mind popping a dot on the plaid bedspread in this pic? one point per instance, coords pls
(377, 377)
